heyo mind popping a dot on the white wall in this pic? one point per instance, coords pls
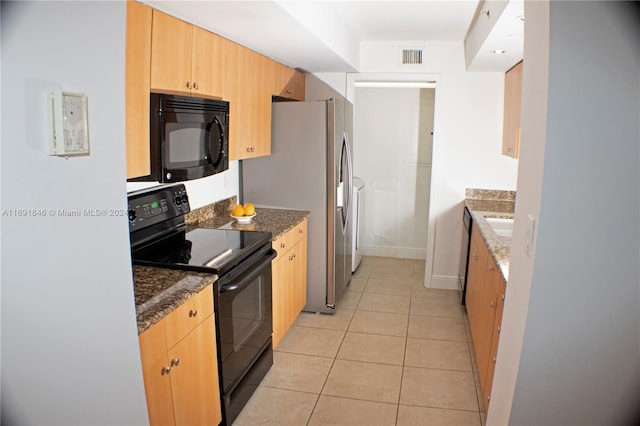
(206, 190)
(69, 337)
(570, 347)
(396, 186)
(467, 140)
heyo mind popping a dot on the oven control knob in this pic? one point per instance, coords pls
(177, 199)
(185, 198)
(132, 215)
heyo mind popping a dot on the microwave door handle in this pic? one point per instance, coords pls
(220, 152)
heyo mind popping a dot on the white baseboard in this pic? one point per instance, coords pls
(397, 252)
(444, 281)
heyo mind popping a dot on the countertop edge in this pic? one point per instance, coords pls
(499, 246)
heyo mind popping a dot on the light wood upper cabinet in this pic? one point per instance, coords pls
(250, 109)
(207, 63)
(289, 280)
(137, 72)
(168, 55)
(179, 365)
(171, 52)
(184, 58)
(512, 111)
(289, 83)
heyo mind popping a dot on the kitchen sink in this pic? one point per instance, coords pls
(501, 225)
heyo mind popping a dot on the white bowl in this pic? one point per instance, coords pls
(243, 219)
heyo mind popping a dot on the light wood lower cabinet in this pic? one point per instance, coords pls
(289, 279)
(179, 364)
(484, 300)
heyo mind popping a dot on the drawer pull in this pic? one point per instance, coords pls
(193, 313)
(175, 362)
(165, 370)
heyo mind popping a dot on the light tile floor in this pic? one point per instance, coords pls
(394, 353)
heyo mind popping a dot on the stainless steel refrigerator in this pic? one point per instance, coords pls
(310, 168)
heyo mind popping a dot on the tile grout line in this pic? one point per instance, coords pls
(335, 357)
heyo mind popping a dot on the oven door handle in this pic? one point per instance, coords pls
(243, 280)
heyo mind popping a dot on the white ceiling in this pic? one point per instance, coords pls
(324, 36)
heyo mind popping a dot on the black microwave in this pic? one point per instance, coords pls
(189, 137)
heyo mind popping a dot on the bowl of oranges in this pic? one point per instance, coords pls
(243, 213)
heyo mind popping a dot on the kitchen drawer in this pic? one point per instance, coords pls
(188, 316)
(288, 240)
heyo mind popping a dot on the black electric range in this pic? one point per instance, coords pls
(242, 302)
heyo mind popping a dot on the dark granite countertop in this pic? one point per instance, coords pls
(158, 291)
(499, 246)
(276, 221)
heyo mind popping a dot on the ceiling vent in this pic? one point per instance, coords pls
(411, 56)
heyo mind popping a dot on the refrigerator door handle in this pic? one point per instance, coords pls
(349, 184)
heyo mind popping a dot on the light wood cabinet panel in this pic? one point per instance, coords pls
(171, 53)
(137, 83)
(194, 380)
(188, 315)
(289, 83)
(185, 59)
(250, 109)
(207, 63)
(157, 384)
(512, 111)
(493, 355)
(484, 301)
(289, 280)
(179, 365)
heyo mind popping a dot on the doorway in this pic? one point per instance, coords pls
(393, 134)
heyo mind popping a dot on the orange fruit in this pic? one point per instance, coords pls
(249, 209)
(237, 210)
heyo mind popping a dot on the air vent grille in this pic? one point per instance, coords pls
(411, 56)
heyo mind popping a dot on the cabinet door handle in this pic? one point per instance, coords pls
(175, 362)
(475, 256)
(290, 91)
(282, 245)
(493, 305)
(165, 370)
(188, 85)
(193, 313)
(490, 268)
(195, 85)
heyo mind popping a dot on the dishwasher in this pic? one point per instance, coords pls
(464, 252)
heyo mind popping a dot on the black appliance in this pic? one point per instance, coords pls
(242, 304)
(189, 138)
(464, 253)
